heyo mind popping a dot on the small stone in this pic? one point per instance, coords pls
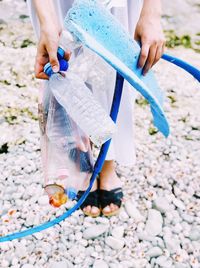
(133, 212)
(78, 236)
(154, 252)
(162, 204)
(123, 216)
(21, 251)
(194, 234)
(145, 236)
(187, 218)
(164, 262)
(118, 232)
(179, 204)
(95, 231)
(5, 263)
(39, 236)
(2, 21)
(181, 265)
(61, 264)
(154, 222)
(100, 264)
(43, 200)
(172, 244)
(114, 243)
(83, 242)
(27, 265)
(126, 264)
(102, 220)
(98, 248)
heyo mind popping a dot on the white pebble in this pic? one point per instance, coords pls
(154, 222)
(154, 252)
(118, 232)
(179, 204)
(162, 204)
(132, 211)
(100, 264)
(95, 231)
(28, 265)
(114, 243)
(43, 200)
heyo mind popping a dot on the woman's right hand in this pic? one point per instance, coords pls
(47, 50)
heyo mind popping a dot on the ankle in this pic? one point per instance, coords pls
(108, 169)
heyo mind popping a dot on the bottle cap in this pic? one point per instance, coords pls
(60, 53)
(71, 193)
(63, 67)
(48, 69)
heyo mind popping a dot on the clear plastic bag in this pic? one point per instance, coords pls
(66, 152)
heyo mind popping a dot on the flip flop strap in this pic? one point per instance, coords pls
(91, 200)
(114, 196)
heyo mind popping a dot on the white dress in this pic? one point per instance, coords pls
(122, 148)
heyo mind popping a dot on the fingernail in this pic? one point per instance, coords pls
(55, 69)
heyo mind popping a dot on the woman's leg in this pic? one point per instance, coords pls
(92, 210)
(109, 181)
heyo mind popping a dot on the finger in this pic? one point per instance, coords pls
(42, 76)
(159, 53)
(143, 55)
(67, 55)
(39, 71)
(150, 59)
(54, 60)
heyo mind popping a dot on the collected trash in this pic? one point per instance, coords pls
(66, 152)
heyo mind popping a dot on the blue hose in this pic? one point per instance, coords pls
(97, 169)
(102, 155)
(184, 65)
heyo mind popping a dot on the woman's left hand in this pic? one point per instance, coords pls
(150, 34)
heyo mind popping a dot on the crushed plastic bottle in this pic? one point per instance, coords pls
(72, 93)
(66, 152)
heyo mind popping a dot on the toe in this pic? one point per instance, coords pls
(94, 210)
(87, 209)
(113, 207)
(106, 209)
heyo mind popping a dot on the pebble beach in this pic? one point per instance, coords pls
(159, 223)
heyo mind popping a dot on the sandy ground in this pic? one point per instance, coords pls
(159, 224)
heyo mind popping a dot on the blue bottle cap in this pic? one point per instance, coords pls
(63, 67)
(60, 53)
(71, 193)
(48, 69)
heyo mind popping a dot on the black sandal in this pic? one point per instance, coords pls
(107, 197)
(91, 200)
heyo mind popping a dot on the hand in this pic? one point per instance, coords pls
(47, 51)
(150, 34)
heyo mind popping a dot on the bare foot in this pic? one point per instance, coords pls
(109, 181)
(92, 210)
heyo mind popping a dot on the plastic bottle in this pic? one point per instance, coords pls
(72, 93)
(66, 152)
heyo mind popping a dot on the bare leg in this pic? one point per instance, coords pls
(92, 210)
(108, 181)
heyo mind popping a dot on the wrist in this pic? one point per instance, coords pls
(149, 20)
(152, 9)
(47, 29)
